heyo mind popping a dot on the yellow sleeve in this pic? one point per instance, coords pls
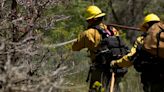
(125, 60)
(87, 39)
(80, 43)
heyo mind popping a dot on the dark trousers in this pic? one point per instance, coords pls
(152, 82)
(103, 75)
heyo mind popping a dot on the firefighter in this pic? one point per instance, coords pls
(148, 64)
(90, 39)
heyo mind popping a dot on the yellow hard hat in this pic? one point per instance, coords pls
(93, 12)
(151, 17)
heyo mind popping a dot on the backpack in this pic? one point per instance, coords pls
(111, 47)
(150, 55)
(154, 40)
(144, 61)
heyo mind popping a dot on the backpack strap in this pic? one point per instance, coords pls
(103, 32)
(158, 40)
(119, 41)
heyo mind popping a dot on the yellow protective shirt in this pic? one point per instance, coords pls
(125, 60)
(90, 39)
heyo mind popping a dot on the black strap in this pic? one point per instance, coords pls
(102, 31)
(158, 40)
(119, 44)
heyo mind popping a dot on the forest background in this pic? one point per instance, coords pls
(30, 30)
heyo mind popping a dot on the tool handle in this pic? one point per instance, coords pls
(112, 82)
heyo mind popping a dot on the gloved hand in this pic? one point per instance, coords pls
(113, 63)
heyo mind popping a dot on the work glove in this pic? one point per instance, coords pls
(113, 64)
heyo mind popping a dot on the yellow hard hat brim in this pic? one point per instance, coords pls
(99, 15)
(151, 20)
(151, 17)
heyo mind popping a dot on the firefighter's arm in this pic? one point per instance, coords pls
(79, 43)
(125, 61)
